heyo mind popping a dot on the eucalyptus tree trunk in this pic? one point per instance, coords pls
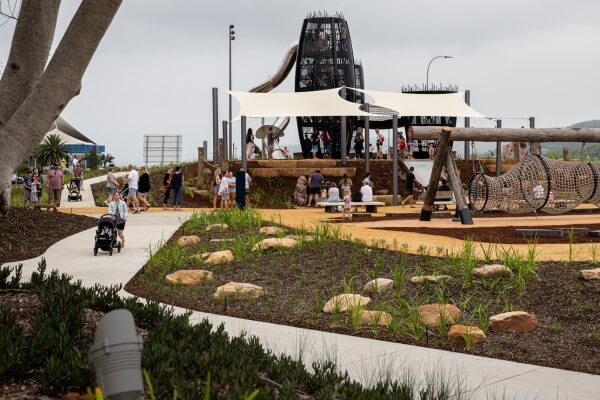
(31, 103)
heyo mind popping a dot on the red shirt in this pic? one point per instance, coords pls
(55, 179)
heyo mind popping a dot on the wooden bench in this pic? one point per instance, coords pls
(370, 206)
(443, 198)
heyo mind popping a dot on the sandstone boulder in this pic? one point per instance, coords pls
(345, 302)
(429, 278)
(218, 257)
(306, 238)
(189, 277)
(379, 285)
(491, 271)
(190, 240)
(590, 274)
(380, 318)
(458, 334)
(216, 227)
(513, 321)
(270, 230)
(434, 314)
(239, 291)
(270, 243)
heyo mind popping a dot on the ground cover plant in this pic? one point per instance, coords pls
(299, 281)
(47, 325)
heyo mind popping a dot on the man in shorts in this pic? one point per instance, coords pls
(111, 184)
(316, 180)
(132, 181)
(56, 181)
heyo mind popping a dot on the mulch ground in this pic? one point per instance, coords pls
(28, 233)
(299, 281)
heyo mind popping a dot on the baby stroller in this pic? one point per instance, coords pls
(106, 235)
(74, 191)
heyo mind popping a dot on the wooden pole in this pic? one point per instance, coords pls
(459, 194)
(588, 135)
(201, 166)
(436, 171)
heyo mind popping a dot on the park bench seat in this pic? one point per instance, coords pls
(370, 206)
(443, 198)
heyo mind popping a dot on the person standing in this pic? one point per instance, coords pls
(410, 186)
(379, 144)
(359, 141)
(231, 182)
(247, 181)
(27, 190)
(132, 183)
(224, 191)
(167, 187)
(111, 184)
(144, 188)
(314, 141)
(36, 188)
(56, 182)
(347, 205)
(270, 142)
(326, 139)
(118, 208)
(315, 182)
(177, 187)
(215, 188)
(78, 175)
(250, 145)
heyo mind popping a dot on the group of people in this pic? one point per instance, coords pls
(318, 143)
(224, 186)
(272, 144)
(34, 183)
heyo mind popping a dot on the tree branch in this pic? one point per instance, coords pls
(60, 82)
(29, 52)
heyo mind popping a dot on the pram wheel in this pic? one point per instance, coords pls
(95, 251)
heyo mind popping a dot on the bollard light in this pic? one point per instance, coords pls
(117, 356)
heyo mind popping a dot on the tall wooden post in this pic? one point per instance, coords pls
(201, 166)
(498, 151)
(436, 171)
(459, 194)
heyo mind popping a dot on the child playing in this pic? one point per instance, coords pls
(347, 205)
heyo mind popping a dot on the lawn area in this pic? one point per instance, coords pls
(299, 281)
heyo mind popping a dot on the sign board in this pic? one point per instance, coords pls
(162, 149)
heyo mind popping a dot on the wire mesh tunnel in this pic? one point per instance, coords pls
(537, 184)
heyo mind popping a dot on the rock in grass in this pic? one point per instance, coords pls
(379, 285)
(590, 274)
(344, 302)
(429, 278)
(239, 291)
(380, 318)
(189, 277)
(491, 271)
(270, 230)
(436, 314)
(190, 240)
(216, 227)
(514, 321)
(271, 243)
(218, 257)
(458, 334)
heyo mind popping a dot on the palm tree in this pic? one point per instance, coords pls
(106, 159)
(51, 151)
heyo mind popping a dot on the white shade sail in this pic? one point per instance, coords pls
(66, 139)
(320, 103)
(424, 105)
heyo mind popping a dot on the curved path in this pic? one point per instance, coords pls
(366, 360)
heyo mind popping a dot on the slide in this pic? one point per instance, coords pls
(289, 59)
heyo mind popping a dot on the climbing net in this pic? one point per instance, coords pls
(537, 184)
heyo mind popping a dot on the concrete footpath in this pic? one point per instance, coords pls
(86, 194)
(366, 360)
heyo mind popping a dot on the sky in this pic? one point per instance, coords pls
(155, 68)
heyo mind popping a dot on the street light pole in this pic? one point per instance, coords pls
(429, 65)
(230, 130)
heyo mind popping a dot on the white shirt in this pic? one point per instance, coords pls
(132, 179)
(248, 180)
(367, 193)
(224, 186)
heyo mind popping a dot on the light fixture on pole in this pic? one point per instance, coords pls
(429, 65)
(230, 141)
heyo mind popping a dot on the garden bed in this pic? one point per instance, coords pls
(26, 233)
(300, 280)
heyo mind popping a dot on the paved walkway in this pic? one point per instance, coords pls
(366, 360)
(87, 200)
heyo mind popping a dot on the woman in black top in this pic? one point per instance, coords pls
(167, 188)
(177, 187)
(144, 187)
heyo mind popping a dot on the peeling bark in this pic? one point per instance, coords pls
(59, 83)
